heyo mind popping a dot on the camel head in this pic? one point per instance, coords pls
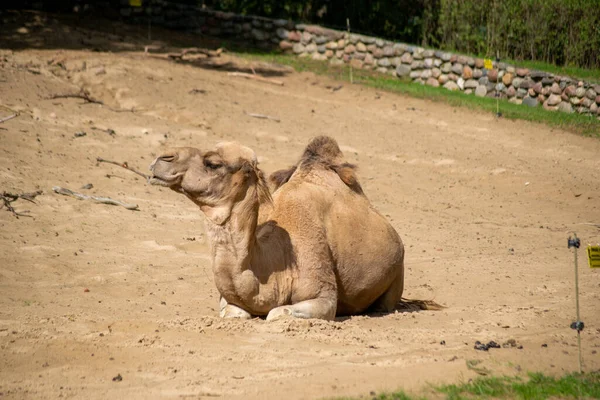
(215, 180)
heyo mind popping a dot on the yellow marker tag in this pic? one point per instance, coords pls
(594, 256)
(135, 3)
(487, 64)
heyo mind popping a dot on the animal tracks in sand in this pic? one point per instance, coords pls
(199, 247)
(349, 150)
(498, 171)
(262, 135)
(444, 162)
(420, 161)
(38, 249)
(153, 245)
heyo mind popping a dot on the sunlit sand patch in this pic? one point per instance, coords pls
(445, 161)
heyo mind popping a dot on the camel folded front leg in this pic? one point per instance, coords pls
(321, 308)
(230, 311)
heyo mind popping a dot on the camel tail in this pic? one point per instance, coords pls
(417, 305)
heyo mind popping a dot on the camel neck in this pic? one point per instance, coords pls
(232, 242)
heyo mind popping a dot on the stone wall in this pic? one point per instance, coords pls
(425, 66)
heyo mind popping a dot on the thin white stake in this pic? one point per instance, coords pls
(577, 307)
(578, 324)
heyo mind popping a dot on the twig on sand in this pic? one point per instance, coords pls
(262, 116)
(8, 198)
(195, 50)
(9, 117)
(114, 176)
(255, 77)
(87, 97)
(124, 165)
(104, 200)
(110, 131)
(83, 94)
(589, 224)
(472, 365)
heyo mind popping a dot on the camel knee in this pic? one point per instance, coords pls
(230, 311)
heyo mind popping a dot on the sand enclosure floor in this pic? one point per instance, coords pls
(91, 291)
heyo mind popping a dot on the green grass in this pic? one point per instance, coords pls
(537, 386)
(576, 123)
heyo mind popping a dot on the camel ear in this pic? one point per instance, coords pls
(347, 174)
(262, 188)
(247, 168)
(218, 214)
(278, 178)
(264, 194)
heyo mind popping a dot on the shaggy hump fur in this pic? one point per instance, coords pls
(321, 152)
(323, 149)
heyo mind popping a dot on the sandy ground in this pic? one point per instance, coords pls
(91, 291)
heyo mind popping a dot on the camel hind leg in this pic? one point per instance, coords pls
(322, 308)
(388, 301)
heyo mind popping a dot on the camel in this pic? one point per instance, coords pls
(314, 248)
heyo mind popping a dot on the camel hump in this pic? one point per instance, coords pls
(322, 152)
(325, 152)
(322, 149)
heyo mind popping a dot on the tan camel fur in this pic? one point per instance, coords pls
(316, 249)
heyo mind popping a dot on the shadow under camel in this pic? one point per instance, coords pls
(403, 306)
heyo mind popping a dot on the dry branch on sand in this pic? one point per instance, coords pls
(87, 97)
(110, 131)
(9, 117)
(255, 77)
(124, 165)
(8, 198)
(263, 116)
(99, 199)
(195, 50)
(83, 94)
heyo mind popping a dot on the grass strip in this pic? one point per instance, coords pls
(576, 123)
(536, 386)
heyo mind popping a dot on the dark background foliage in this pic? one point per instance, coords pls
(562, 32)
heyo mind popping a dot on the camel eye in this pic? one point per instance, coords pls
(212, 165)
(167, 158)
